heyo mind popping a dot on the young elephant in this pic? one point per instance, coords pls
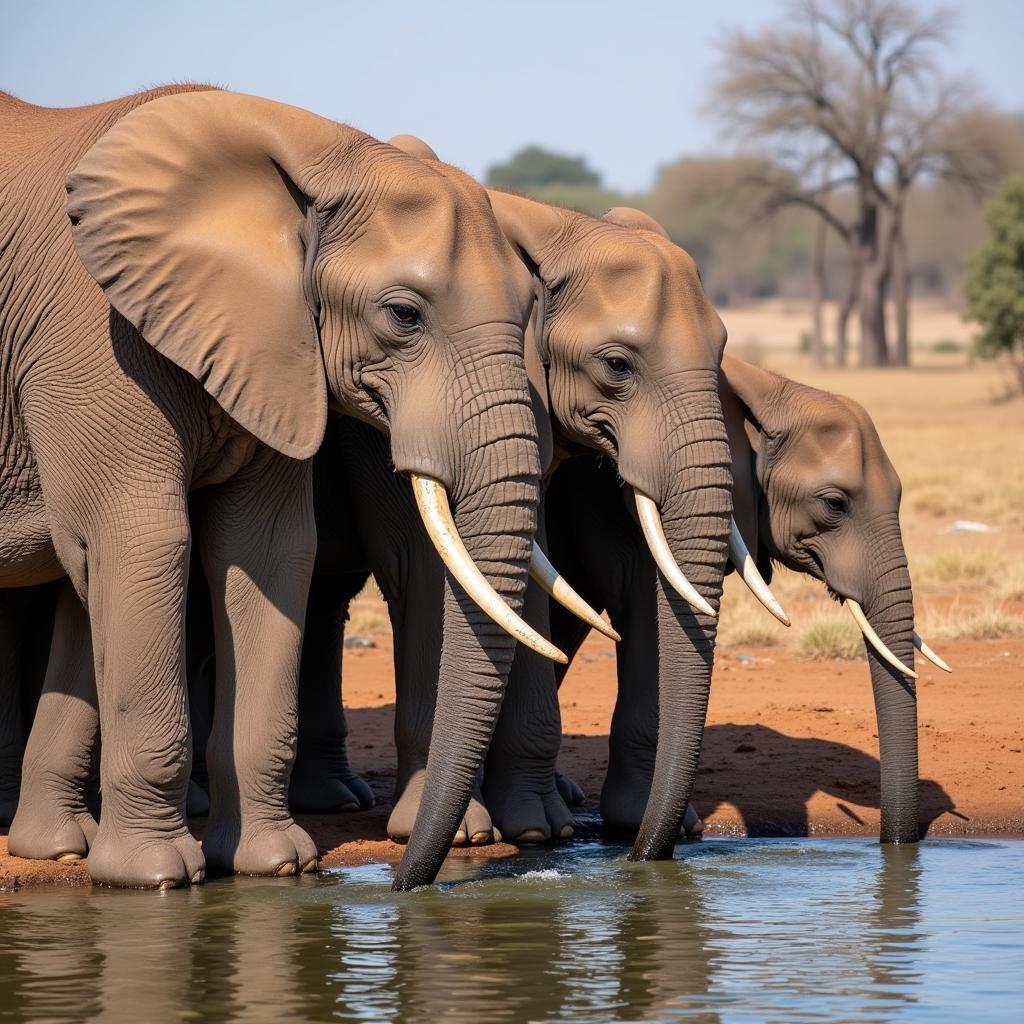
(814, 490)
(232, 268)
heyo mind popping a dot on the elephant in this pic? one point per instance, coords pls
(813, 490)
(190, 279)
(600, 282)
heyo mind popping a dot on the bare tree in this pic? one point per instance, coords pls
(853, 85)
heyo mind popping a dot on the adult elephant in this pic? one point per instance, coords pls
(813, 490)
(624, 349)
(232, 268)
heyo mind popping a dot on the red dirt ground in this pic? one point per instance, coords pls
(790, 749)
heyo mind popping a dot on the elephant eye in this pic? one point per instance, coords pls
(619, 366)
(404, 316)
(835, 504)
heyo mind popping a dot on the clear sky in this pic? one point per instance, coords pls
(621, 82)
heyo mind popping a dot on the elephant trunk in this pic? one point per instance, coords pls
(695, 514)
(891, 614)
(495, 498)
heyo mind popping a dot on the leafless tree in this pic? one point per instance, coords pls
(848, 96)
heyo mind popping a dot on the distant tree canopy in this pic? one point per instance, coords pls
(534, 167)
(995, 281)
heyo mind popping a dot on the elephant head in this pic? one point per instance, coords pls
(290, 264)
(631, 348)
(815, 491)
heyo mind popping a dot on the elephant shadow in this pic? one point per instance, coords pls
(770, 778)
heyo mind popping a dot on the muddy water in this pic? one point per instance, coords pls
(733, 930)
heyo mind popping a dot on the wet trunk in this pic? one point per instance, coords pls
(696, 520)
(495, 509)
(891, 613)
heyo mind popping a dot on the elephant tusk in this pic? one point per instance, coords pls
(432, 502)
(552, 582)
(929, 653)
(654, 534)
(874, 639)
(741, 558)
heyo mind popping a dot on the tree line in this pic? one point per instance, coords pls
(856, 170)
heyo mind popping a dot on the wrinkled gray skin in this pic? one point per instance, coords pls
(658, 422)
(255, 263)
(795, 450)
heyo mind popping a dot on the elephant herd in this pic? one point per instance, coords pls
(248, 357)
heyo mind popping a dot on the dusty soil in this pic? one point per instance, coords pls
(790, 750)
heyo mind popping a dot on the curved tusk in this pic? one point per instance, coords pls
(744, 563)
(654, 534)
(874, 639)
(432, 501)
(929, 653)
(552, 582)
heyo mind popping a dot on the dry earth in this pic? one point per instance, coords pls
(791, 746)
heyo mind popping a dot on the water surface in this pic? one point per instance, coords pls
(732, 930)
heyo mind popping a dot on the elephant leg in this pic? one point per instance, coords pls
(322, 780)
(199, 669)
(53, 821)
(416, 605)
(258, 542)
(520, 785)
(137, 579)
(12, 722)
(633, 739)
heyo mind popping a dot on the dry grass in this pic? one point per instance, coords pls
(368, 614)
(830, 636)
(956, 567)
(988, 622)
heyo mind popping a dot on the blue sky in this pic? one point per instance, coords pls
(621, 82)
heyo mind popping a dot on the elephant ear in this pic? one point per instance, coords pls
(750, 403)
(195, 214)
(628, 217)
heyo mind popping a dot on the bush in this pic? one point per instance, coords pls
(831, 637)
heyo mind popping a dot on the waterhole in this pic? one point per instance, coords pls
(731, 930)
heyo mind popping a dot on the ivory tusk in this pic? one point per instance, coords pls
(654, 534)
(553, 583)
(744, 563)
(874, 639)
(929, 653)
(432, 502)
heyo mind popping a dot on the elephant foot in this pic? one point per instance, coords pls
(569, 791)
(145, 860)
(197, 803)
(267, 848)
(475, 828)
(322, 787)
(623, 801)
(528, 811)
(49, 826)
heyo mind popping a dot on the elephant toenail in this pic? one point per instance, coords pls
(479, 838)
(168, 883)
(566, 833)
(286, 869)
(460, 837)
(198, 877)
(310, 865)
(532, 835)
(69, 858)
(347, 808)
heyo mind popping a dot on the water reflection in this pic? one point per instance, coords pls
(768, 929)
